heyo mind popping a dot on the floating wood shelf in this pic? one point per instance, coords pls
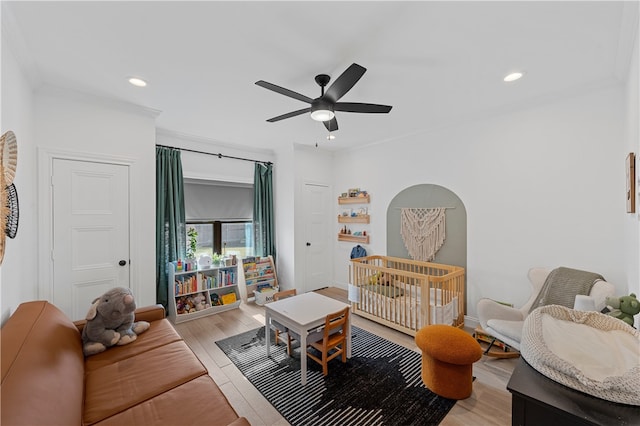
(364, 239)
(363, 218)
(354, 200)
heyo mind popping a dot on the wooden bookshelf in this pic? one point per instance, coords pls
(363, 218)
(364, 239)
(354, 200)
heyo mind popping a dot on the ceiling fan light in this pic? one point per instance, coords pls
(322, 115)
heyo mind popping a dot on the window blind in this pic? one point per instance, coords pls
(214, 200)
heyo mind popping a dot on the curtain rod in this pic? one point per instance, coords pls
(217, 155)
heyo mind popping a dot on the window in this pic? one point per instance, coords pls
(222, 215)
(223, 237)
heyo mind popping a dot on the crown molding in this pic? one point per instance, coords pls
(76, 95)
(13, 39)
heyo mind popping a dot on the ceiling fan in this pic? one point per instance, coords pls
(323, 108)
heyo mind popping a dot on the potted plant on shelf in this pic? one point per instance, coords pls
(217, 259)
(192, 244)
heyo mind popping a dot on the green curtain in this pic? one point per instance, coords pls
(170, 217)
(263, 219)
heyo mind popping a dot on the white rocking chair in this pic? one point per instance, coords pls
(505, 323)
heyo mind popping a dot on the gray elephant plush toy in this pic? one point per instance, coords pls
(110, 321)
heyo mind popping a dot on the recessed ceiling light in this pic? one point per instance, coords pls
(137, 82)
(513, 77)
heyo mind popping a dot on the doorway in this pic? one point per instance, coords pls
(317, 202)
(90, 231)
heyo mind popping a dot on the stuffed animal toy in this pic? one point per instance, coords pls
(624, 308)
(200, 301)
(110, 321)
(189, 305)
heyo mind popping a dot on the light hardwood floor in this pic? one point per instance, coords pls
(489, 404)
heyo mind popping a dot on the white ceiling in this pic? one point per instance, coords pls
(436, 63)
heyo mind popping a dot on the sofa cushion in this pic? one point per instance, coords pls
(119, 386)
(160, 333)
(207, 406)
(42, 367)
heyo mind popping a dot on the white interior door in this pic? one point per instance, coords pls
(317, 202)
(90, 232)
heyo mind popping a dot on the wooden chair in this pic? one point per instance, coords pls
(282, 333)
(334, 338)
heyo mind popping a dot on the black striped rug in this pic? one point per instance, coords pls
(379, 385)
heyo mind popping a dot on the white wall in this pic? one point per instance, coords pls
(632, 144)
(283, 194)
(542, 187)
(18, 275)
(73, 123)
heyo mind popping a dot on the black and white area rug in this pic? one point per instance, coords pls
(379, 385)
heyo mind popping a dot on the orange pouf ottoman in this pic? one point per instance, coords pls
(448, 354)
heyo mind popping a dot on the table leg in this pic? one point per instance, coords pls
(303, 356)
(349, 336)
(267, 332)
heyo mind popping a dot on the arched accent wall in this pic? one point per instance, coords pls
(454, 249)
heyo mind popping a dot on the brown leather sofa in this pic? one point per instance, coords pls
(46, 380)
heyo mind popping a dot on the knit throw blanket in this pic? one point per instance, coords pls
(562, 285)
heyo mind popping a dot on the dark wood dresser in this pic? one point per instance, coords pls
(537, 400)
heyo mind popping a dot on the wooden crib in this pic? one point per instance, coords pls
(406, 294)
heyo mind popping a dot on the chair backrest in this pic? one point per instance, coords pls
(335, 321)
(537, 276)
(284, 294)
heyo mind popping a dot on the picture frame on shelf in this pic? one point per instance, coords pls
(353, 192)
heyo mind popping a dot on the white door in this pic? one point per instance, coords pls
(90, 232)
(317, 234)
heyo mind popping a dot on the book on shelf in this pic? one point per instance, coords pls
(264, 285)
(219, 278)
(228, 299)
(184, 285)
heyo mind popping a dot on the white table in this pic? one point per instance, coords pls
(303, 314)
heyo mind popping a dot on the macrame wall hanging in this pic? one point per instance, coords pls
(423, 231)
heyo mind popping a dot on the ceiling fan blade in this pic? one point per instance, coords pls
(345, 82)
(283, 91)
(288, 115)
(331, 125)
(360, 107)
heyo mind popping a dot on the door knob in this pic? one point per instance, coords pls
(122, 262)
(308, 244)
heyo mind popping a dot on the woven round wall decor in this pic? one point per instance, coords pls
(4, 211)
(14, 211)
(9, 211)
(9, 145)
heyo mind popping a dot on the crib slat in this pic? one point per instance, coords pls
(406, 294)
